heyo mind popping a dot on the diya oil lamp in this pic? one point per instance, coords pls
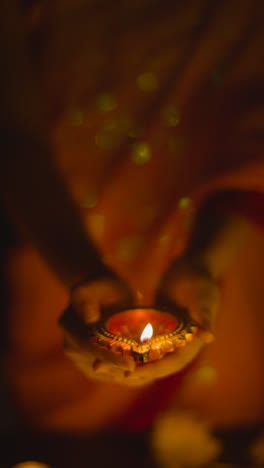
(145, 333)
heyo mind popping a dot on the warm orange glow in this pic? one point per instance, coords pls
(147, 333)
(31, 464)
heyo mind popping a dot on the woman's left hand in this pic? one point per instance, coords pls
(188, 285)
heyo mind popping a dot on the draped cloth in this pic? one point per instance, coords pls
(176, 116)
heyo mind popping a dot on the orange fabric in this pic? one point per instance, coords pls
(131, 208)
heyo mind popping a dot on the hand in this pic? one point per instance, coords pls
(99, 363)
(87, 301)
(187, 285)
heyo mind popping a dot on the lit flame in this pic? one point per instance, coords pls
(147, 333)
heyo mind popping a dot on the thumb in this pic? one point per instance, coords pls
(85, 306)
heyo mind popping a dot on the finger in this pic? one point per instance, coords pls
(172, 362)
(206, 336)
(87, 299)
(96, 368)
(109, 291)
(89, 311)
(97, 365)
(126, 363)
(76, 344)
(135, 380)
(107, 370)
(92, 353)
(200, 296)
(204, 307)
(85, 304)
(104, 369)
(106, 291)
(205, 318)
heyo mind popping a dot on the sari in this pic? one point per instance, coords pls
(178, 116)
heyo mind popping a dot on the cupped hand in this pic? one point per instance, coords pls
(187, 284)
(88, 300)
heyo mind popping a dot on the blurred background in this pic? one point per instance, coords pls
(148, 107)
